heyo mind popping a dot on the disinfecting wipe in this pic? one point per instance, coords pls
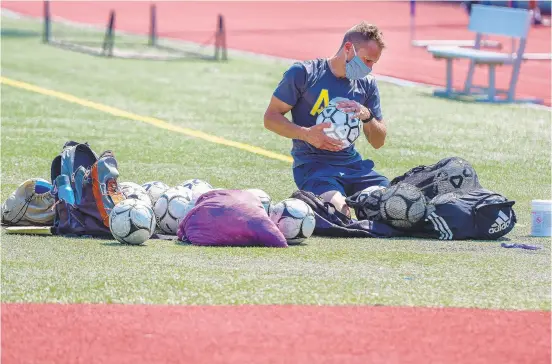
(541, 212)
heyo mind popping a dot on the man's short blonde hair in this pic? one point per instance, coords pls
(364, 32)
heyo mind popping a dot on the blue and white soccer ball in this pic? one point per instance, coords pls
(132, 221)
(343, 126)
(370, 199)
(266, 201)
(197, 188)
(173, 205)
(294, 218)
(155, 189)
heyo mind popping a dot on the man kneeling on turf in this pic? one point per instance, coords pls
(321, 164)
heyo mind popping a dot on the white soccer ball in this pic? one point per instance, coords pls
(264, 197)
(343, 126)
(155, 189)
(197, 187)
(294, 218)
(132, 221)
(134, 190)
(171, 207)
(370, 199)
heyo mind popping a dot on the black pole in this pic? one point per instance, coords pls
(46, 34)
(153, 26)
(217, 39)
(108, 40)
(220, 39)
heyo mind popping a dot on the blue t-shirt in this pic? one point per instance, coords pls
(309, 86)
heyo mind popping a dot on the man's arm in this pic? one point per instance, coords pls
(375, 132)
(285, 96)
(275, 121)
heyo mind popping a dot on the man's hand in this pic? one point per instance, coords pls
(315, 136)
(375, 131)
(358, 110)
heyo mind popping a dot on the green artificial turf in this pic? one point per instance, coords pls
(508, 145)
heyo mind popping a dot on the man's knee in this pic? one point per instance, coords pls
(338, 200)
(375, 180)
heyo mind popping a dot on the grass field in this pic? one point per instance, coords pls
(509, 147)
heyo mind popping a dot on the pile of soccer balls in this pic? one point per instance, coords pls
(154, 206)
(404, 205)
(401, 205)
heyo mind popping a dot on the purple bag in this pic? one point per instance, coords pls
(230, 218)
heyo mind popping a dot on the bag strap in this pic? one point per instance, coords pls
(55, 169)
(106, 191)
(408, 173)
(325, 210)
(482, 203)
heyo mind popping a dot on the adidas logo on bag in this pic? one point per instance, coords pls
(502, 222)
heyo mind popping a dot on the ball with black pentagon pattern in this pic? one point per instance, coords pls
(370, 199)
(294, 218)
(173, 205)
(343, 126)
(132, 221)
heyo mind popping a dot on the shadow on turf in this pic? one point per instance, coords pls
(295, 30)
(184, 243)
(116, 244)
(18, 33)
(121, 51)
(463, 99)
(120, 245)
(477, 244)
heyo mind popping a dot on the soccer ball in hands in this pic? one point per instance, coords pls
(155, 189)
(132, 221)
(197, 188)
(173, 205)
(134, 190)
(264, 197)
(343, 126)
(402, 205)
(294, 218)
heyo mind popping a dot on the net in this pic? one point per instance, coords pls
(103, 38)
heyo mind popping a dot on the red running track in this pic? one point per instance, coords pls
(275, 334)
(303, 30)
(51, 333)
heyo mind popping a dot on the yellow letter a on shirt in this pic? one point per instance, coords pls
(321, 103)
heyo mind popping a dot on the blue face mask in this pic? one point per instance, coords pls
(355, 69)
